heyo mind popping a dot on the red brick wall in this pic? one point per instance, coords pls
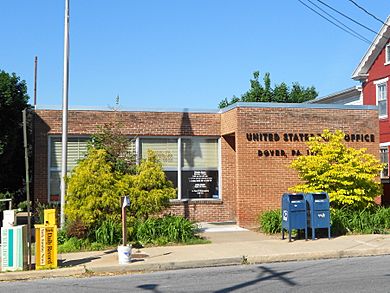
(262, 180)
(250, 183)
(49, 122)
(228, 161)
(135, 123)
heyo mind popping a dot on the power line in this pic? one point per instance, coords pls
(365, 10)
(340, 27)
(338, 21)
(346, 16)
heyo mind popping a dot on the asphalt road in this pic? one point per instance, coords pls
(364, 274)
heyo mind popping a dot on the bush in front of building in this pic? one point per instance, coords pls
(374, 220)
(348, 175)
(95, 190)
(164, 230)
(91, 196)
(347, 220)
(270, 222)
(99, 182)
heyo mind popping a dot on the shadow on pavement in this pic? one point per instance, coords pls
(75, 262)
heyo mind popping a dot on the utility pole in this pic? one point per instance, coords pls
(27, 186)
(64, 164)
(35, 81)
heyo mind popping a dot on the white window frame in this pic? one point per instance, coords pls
(52, 169)
(384, 149)
(379, 83)
(180, 167)
(387, 54)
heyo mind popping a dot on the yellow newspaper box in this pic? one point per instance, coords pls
(49, 216)
(45, 247)
(46, 242)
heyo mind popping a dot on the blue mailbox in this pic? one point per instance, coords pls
(318, 211)
(294, 213)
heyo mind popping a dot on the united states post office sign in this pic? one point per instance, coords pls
(289, 137)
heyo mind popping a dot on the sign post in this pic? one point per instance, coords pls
(124, 250)
(125, 203)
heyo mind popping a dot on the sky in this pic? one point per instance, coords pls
(176, 54)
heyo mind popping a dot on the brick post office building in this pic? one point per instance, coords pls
(227, 165)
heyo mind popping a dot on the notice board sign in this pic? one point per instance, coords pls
(200, 184)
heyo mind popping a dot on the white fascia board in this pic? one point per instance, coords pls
(373, 51)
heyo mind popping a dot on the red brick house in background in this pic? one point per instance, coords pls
(373, 72)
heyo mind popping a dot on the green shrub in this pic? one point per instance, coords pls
(168, 229)
(97, 246)
(374, 220)
(95, 190)
(71, 245)
(271, 222)
(62, 236)
(109, 233)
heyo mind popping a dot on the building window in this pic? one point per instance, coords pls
(192, 164)
(384, 154)
(166, 150)
(199, 161)
(387, 54)
(381, 98)
(77, 148)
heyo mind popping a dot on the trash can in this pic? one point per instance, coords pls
(318, 212)
(294, 213)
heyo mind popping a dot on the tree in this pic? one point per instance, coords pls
(117, 146)
(348, 175)
(280, 93)
(13, 99)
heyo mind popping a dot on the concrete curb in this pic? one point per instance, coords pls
(318, 255)
(41, 274)
(151, 267)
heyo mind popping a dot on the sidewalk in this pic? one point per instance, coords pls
(233, 246)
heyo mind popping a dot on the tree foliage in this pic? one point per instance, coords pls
(13, 99)
(281, 93)
(348, 175)
(149, 189)
(95, 189)
(117, 146)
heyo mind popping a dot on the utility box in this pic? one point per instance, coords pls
(13, 248)
(46, 242)
(294, 213)
(318, 212)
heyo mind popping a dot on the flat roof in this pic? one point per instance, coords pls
(215, 111)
